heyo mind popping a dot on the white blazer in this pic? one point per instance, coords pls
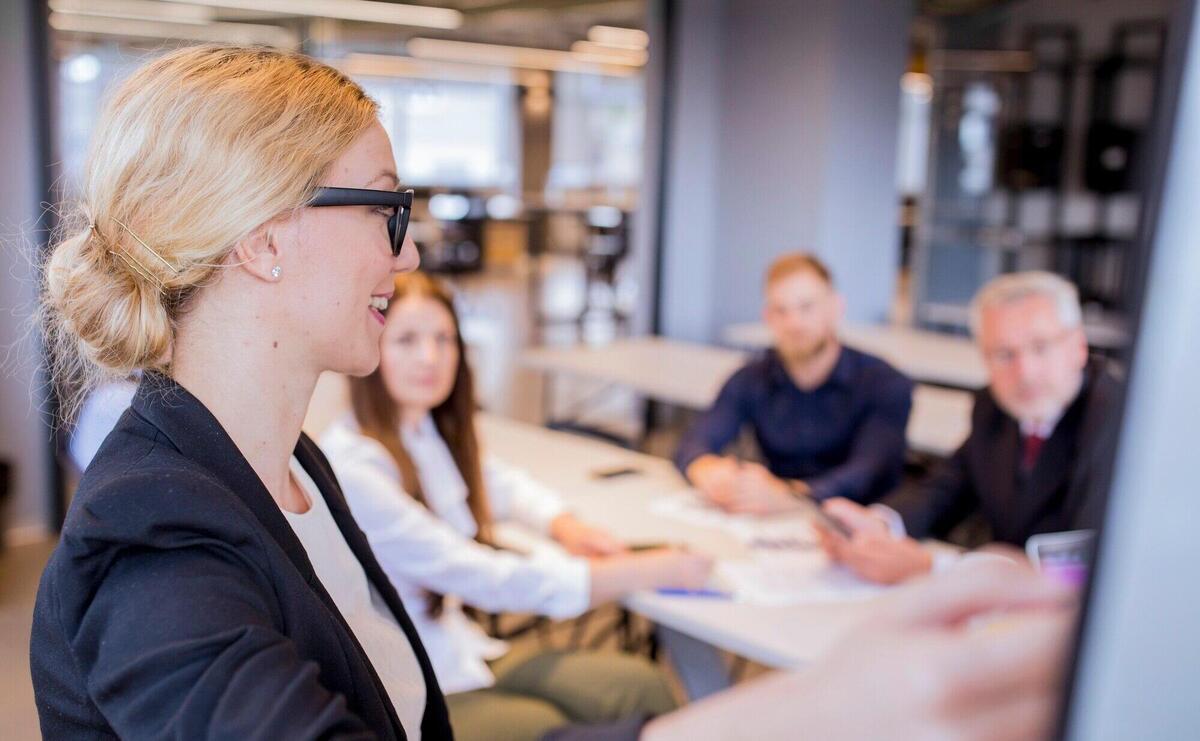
(425, 550)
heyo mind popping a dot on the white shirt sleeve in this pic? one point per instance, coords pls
(413, 545)
(944, 560)
(515, 495)
(895, 522)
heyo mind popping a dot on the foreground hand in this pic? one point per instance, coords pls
(948, 675)
(918, 668)
(584, 540)
(871, 551)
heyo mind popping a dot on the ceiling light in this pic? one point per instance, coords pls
(612, 36)
(141, 10)
(387, 65)
(231, 33)
(615, 54)
(515, 56)
(369, 11)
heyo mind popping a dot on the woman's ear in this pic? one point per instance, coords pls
(258, 254)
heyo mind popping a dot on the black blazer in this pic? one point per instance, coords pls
(985, 476)
(179, 603)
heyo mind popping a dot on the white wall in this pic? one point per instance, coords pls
(693, 187)
(1140, 660)
(782, 136)
(641, 265)
(23, 435)
(860, 233)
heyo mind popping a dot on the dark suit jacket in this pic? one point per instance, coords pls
(179, 603)
(985, 475)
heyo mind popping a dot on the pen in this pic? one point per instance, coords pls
(636, 547)
(675, 592)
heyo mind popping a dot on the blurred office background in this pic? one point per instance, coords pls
(593, 169)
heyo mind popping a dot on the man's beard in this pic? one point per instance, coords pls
(805, 355)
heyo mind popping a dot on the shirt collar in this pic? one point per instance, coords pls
(426, 430)
(841, 375)
(1045, 428)
(843, 370)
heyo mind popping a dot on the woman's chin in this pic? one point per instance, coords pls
(418, 395)
(363, 365)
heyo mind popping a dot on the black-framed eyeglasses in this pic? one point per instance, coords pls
(401, 200)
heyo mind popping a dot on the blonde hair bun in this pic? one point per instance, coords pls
(192, 152)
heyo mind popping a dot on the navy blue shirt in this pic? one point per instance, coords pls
(844, 438)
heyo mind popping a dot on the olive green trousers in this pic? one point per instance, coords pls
(536, 693)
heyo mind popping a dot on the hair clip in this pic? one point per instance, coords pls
(131, 261)
(149, 249)
(140, 269)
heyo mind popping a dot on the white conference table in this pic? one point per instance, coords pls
(924, 356)
(690, 375)
(776, 636)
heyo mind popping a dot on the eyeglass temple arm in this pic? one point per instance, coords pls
(361, 197)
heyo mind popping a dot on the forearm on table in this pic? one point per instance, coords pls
(715, 429)
(613, 578)
(873, 457)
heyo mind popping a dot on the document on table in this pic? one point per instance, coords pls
(785, 565)
(789, 578)
(778, 532)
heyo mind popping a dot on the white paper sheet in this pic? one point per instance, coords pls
(777, 532)
(788, 578)
(785, 565)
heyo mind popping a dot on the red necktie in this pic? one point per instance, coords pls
(1033, 447)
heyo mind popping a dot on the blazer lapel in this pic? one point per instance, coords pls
(1059, 459)
(1005, 461)
(1055, 462)
(436, 716)
(191, 428)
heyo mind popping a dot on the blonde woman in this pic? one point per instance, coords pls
(426, 497)
(239, 231)
(210, 582)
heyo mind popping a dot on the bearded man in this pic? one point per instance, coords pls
(829, 420)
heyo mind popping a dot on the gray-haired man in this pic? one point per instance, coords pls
(1040, 435)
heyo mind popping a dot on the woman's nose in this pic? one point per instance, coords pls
(409, 259)
(428, 351)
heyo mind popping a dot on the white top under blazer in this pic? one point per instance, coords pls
(432, 549)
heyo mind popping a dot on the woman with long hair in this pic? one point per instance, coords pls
(237, 235)
(426, 496)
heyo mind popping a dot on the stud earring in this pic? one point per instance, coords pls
(276, 272)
